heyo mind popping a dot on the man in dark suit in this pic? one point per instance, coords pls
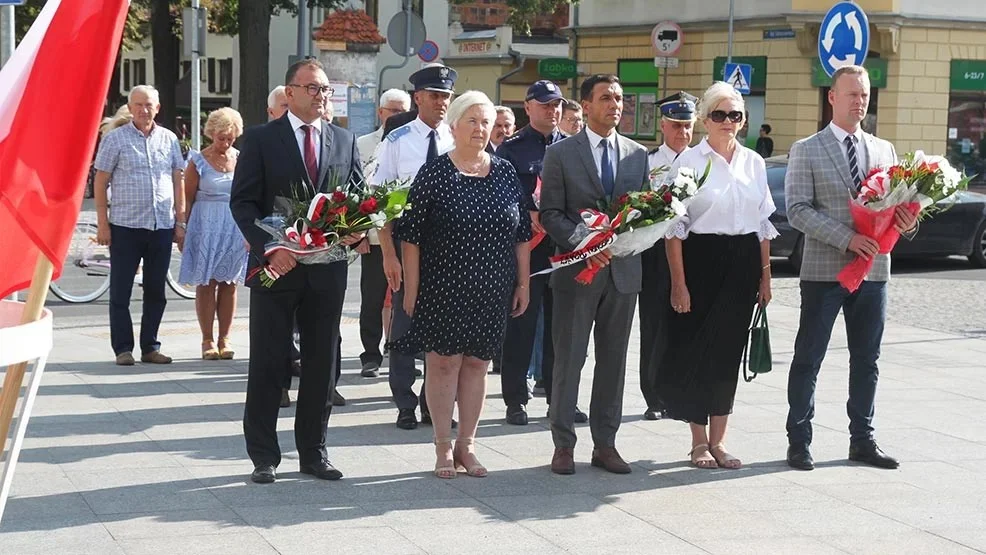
(294, 156)
(595, 165)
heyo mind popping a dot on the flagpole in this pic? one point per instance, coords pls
(33, 308)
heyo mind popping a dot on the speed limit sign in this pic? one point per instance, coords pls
(666, 38)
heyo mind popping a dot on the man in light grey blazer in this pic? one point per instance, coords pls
(595, 165)
(824, 173)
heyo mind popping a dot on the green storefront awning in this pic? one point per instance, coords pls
(877, 68)
(968, 75)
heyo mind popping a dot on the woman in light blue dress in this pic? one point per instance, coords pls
(214, 253)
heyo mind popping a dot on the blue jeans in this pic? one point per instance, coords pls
(865, 314)
(127, 247)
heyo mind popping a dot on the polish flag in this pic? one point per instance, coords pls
(52, 92)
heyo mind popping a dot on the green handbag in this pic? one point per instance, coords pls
(756, 353)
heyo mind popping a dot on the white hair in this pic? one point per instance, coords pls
(150, 91)
(272, 97)
(467, 100)
(714, 95)
(395, 95)
(505, 110)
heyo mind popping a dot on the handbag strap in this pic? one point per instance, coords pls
(759, 320)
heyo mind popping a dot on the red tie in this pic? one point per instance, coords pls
(310, 161)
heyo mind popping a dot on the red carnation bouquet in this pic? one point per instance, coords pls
(919, 183)
(312, 230)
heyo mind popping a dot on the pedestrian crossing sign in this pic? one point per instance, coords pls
(738, 75)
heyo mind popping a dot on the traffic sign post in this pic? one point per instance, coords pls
(739, 76)
(844, 37)
(428, 51)
(667, 38)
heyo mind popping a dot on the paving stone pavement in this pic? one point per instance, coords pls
(150, 459)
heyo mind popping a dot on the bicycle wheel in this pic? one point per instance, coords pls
(86, 272)
(172, 278)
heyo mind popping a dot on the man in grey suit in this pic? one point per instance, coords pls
(596, 164)
(824, 173)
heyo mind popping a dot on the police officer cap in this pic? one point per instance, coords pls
(680, 106)
(543, 92)
(434, 78)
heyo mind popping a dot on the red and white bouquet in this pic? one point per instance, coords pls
(313, 230)
(919, 183)
(633, 223)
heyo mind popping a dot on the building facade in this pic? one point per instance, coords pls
(927, 64)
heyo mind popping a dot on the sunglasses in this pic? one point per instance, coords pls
(720, 116)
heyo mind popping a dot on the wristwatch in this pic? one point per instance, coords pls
(182, 225)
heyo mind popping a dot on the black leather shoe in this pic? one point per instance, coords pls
(296, 368)
(322, 470)
(264, 474)
(655, 414)
(337, 399)
(580, 417)
(406, 419)
(426, 420)
(870, 453)
(285, 399)
(799, 457)
(516, 415)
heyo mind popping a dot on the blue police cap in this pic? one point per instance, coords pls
(543, 92)
(434, 78)
(680, 106)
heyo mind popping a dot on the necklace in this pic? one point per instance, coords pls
(473, 168)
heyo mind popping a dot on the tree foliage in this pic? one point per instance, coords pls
(523, 12)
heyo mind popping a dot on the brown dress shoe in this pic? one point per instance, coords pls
(563, 461)
(608, 458)
(125, 359)
(155, 357)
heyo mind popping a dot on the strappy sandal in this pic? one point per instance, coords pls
(209, 351)
(725, 460)
(225, 352)
(475, 470)
(442, 469)
(700, 460)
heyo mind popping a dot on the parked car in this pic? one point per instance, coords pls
(960, 230)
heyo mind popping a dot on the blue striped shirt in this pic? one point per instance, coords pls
(142, 188)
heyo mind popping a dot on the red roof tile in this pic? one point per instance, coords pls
(350, 26)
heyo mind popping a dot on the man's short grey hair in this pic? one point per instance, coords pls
(272, 97)
(505, 110)
(395, 95)
(714, 95)
(467, 100)
(150, 91)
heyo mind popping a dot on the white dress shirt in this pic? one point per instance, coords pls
(861, 159)
(663, 156)
(405, 150)
(597, 151)
(735, 199)
(299, 135)
(367, 145)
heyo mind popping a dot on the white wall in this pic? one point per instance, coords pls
(436, 18)
(617, 12)
(945, 9)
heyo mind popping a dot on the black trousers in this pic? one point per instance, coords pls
(272, 312)
(518, 346)
(373, 293)
(653, 301)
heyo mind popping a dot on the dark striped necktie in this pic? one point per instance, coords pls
(857, 179)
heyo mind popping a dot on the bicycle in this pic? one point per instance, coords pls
(86, 272)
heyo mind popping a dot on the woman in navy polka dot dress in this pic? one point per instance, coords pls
(466, 270)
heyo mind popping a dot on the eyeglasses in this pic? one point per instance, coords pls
(720, 116)
(313, 90)
(573, 120)
(394, 110)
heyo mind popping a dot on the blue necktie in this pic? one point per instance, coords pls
(432, 146)
(609, 181)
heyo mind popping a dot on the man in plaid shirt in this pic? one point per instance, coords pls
(142, 163)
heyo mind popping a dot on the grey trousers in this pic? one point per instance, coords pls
(575, 311)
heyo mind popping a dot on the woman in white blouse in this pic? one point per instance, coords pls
(719, 257)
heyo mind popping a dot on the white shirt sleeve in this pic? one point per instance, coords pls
(386, 158)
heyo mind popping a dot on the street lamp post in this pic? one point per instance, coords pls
(196, 108)
(729, 47)
(7, 39)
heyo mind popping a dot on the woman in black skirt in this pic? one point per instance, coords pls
(719, 258)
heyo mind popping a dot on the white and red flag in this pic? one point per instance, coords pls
(52, 92)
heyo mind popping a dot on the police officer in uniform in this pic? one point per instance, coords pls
(400, 155)
(677, 125)
(525, 150)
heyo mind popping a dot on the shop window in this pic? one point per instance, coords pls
(966, 143)
(640, 95)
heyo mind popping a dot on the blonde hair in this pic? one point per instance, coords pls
(848, 70)
(119, 119)
(714, 95)
(223, 119)
(467, 100)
